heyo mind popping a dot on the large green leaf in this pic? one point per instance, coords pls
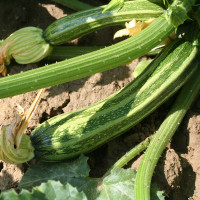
(52, 190)
(75, 172)
(119, 184)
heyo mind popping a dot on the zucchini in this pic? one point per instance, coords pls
(88, 64)
(82, 23)
(70, 134)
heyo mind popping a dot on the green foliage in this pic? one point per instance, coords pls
(74, 172)
(177, 13)
(119, 184)
(51, 190)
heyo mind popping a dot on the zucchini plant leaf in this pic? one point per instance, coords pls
(75, 172)
(51, 190)
(119, 184)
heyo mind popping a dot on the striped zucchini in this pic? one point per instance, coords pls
(68, 135)
(82, 23)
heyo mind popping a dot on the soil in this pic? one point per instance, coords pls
(178, 170)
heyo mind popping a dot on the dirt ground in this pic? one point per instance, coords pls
(178, 171)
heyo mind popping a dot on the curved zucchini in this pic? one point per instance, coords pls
(82, 23)
(68, 135)
(88, 64)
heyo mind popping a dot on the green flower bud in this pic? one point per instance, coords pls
(26, 45)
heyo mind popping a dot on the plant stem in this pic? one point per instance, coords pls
(131, 154)
(75, 4)
(157, 145)
(88, 64)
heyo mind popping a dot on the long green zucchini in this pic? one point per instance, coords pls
(98, 61)
(82, 23)
(88, 64)
(68, 135)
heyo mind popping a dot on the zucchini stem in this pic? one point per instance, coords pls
(131, 154)
(157, 145)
